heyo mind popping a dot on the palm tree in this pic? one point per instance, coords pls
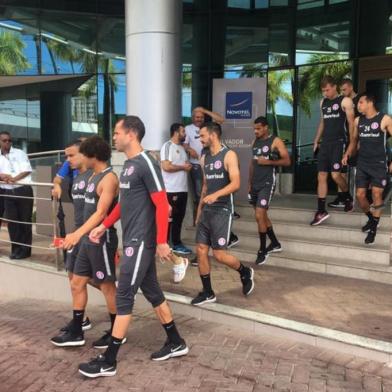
(275, 89)
(88, 63)
(324, 64)
(12, 59)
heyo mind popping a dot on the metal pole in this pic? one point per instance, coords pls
(54, 212)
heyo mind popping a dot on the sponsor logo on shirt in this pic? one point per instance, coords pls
(82, 184)
(265, 149)
(125, 185)
(335, 106)
(91, 188)
(218, 164)
(374, 125)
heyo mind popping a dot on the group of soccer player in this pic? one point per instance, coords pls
(138, 199)
(352, 132)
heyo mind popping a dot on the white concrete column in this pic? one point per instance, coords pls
(153, 65)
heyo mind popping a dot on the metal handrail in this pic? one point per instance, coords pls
(43, 153)
(54, 203)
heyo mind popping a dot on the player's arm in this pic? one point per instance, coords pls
(284, 159)
(153, 181)
(203, 191)
(320, 130)
(107, 191)
(386, 123)
(348, 107)
(25, 167)
(251, 171)
(231, 165)
(214, 115)
(352, 147)
(109, 221)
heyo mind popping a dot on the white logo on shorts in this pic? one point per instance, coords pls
(218, 164)
(374, 125)
(90, 188)
(384, 182)
(263, 202)
(82, 184)
(335, 106)
(129, 251)
(221, 241)
(265, 149)
(100, 275)
(336, 166)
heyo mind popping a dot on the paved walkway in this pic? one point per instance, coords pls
(221, 359)
(350, 305)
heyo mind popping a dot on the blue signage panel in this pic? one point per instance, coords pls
(239, 105)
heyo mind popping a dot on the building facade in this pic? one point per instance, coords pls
(63, 71)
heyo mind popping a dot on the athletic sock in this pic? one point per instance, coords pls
(77, 321)
(206, 282)
(369, 215)
(112, 350)
(375, 222)
(346, 196)
(112, 319)
(263, 241)
(321, 204)
(341, 196)
(272, 236)
(172, 333)
(242, 270)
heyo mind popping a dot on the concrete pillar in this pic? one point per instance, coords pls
(153, 65)
(56, 120)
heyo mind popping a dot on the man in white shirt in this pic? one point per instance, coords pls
(175, 166)
(15, 167)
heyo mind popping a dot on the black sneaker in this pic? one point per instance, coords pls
(370, 237)
(203, 298)
(236, 215)
(248, 283)
(319, 217)
(194, 262)
(67, 339)
(337, 203)
(86, 325)
(170, 350)
(271, 248)
(234, 240)
(104, 341)
(348, 205)
(98, 367)
(262, 257)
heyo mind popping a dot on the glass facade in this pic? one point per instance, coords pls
(74, 52)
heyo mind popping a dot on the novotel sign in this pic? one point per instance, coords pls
(238, 105)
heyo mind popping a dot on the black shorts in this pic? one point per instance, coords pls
(137, 269)
(70, 258)
(329, 158)
(96, 261)
(261, 197)
(214, 227)
(371, 175)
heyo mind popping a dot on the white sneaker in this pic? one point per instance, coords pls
(179, 270)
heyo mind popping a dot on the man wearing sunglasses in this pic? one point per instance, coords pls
(18, 199)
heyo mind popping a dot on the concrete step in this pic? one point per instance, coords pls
(320, 264)
(337, 233)
(305, 216)
(318, 248)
